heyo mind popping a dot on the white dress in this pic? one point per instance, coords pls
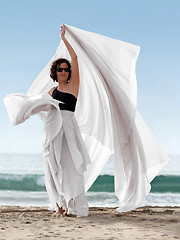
(64, 176)
(64, 152)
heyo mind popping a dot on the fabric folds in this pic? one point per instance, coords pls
(106, 115)
(64, 153)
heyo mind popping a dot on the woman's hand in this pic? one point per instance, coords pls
(62, 33)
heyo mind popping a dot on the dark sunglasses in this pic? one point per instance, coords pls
(61, 69)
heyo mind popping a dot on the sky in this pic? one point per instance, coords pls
(29, 37)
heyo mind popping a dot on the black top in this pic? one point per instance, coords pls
(68, 99)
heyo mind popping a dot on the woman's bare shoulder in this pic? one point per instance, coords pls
(51, 90)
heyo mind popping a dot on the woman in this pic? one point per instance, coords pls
(107, 118)
(67, 76)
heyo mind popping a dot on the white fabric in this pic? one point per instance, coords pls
(106, 114)
(65, 155)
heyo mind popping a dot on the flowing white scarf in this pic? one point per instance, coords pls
(107, 116)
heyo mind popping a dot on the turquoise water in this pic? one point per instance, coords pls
(104, 183)
(22, 183)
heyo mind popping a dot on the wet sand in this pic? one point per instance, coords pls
(102, 223)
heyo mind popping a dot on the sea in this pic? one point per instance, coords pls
(22, 183)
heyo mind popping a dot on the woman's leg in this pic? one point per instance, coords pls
(58, 209)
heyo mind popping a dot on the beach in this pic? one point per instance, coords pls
(102, 223)
(24, 213)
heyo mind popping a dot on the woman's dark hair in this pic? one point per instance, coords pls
(56, 64)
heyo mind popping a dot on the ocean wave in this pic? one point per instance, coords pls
(104, 183)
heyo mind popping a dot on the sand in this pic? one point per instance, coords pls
(102, 223)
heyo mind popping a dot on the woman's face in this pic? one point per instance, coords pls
(62, 75)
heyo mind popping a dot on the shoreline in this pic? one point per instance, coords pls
(148, 222)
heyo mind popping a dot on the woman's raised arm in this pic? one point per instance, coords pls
(74, 61)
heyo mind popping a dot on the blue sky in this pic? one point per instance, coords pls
(29, 37)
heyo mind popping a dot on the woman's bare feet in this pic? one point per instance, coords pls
(65, 212)
(58, 209)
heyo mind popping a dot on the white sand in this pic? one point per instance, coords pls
(102, 223)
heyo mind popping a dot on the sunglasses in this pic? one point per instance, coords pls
(61, 69)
